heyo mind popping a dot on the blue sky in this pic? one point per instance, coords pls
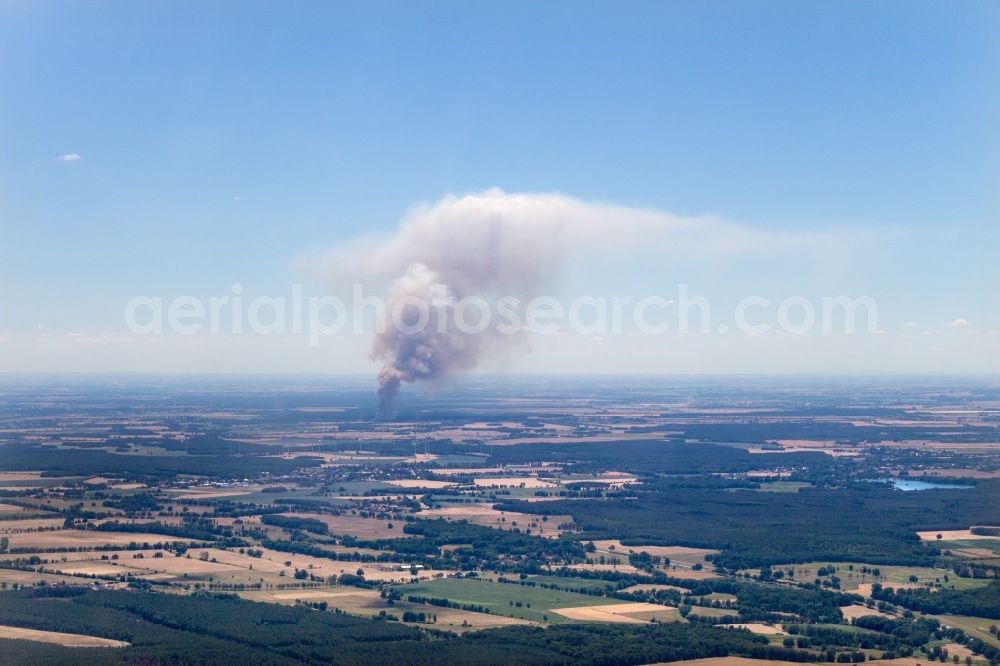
(221, 142)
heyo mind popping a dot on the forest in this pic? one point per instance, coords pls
(860, 523)
(206, 629)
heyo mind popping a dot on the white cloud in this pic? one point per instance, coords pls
(70, 157)
(958, 323)
(909, 324)
(496, 239)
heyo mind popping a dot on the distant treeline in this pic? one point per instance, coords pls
(63, 462)
(860, 524)
(648, 457)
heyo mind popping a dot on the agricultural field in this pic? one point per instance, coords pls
(599, 518)
(59, 638)
(859, 577)
(508, 599)
(364, 529)
(484, 513)
(73, 539)
(976, 626)
(680, 556)
(633, 613)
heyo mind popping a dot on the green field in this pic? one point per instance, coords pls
(573, 583)
(718, 596)
(973, 626)
(501, 598)
(888, 574)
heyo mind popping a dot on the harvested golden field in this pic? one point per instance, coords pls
(351, 599)
(59, 638)
(961, 473)
(483, 513)
(30, 524)
(380, 571)
(12, 576)
(957, 649)
(215, 493)
(91, 568)
(83, 539)
(625, 613)
(234, 558)
(229, 567)
(856, 610)
(364, 529)
(677, 554)
(97, 481)
(624, 567)
(454, 619)
(19, 476)
(351, 550)
(513, 482)
(6, 509)
(865, 589)
(955, 535)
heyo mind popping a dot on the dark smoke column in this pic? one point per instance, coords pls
(388, 391)
(425, 344)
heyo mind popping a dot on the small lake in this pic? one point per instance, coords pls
(913, 484)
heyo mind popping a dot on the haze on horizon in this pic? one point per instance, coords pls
(175, 151)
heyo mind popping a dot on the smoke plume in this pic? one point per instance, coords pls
(489, 245)
(411, 350)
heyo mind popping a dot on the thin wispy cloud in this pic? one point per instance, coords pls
(69, 157)
(958, 323)
(495, 238)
